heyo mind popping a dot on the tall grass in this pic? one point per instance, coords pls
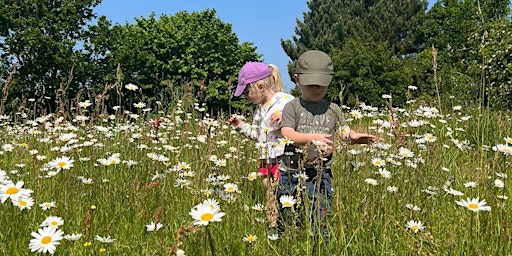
(130, 170)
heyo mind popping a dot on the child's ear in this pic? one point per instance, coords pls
(260, 86)
(296, 78)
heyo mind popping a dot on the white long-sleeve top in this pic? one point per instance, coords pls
(267, 133)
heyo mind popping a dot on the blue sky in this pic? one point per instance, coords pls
(263, 22)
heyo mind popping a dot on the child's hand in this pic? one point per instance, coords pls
(235, 122)
(276, 117)
(361, 138)
(323, 138)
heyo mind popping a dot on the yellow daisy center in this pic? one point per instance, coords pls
(287, 204)
(229, 189)
(23, 203)
(46, 239)
(12, 191)
(54, 223)
(473, 206)
(61, 164)
(415, 227)
(207, 217)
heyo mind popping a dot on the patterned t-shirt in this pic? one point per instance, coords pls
(310, 117)
(267, 133)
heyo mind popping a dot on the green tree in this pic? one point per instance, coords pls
(40, 37)
(493, 46)
(330, 24)
(457, 30)
(187, 53)
(366, 70)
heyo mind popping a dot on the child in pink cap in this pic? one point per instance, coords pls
(261, 84)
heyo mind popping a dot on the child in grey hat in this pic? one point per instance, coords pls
(311, 123)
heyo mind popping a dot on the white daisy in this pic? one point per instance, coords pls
(23, 202)
(415, 225)
(378, 162)
(412, 207)
(139, 105)
(104, 240)
(371, 181)
(61, 163)
(204, 214)
(287, 201)
(259, 207)
(231, 187)
(131, 87)
(72, 237)
(470, 184)
(252, 176)
(453, 192)
(392, 189)
(250, 238)
(152, 227)
(45, 240)
(13, 191)
(384, 173)
(52, 221)
(212, 203)
(474, 205)
(499, 183)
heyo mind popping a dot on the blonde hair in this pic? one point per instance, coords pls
(276, 77)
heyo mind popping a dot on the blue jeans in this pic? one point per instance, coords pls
(315, 195)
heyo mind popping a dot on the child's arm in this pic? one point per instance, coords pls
(245, 128)
(354, 137)
(305, 138)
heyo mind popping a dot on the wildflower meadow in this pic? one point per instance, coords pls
(179, 181)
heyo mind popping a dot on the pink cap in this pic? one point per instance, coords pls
(250, 73)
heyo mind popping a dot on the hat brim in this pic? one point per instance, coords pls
(239, 90)
(315, 79)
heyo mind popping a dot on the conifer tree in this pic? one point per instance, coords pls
(330, 23)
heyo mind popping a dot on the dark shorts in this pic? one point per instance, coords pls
(318, 183)
(318, 188)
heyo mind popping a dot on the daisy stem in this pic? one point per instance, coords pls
(210, 241)
(471, 224)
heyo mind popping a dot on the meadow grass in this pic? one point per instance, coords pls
(128, 170)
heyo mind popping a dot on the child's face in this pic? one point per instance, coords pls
(313, 93)
(252, 93)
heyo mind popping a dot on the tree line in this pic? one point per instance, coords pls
(57, 53)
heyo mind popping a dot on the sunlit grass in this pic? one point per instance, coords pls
(114, 179)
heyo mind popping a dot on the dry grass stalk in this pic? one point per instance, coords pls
(61, 96)
(5, 91)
